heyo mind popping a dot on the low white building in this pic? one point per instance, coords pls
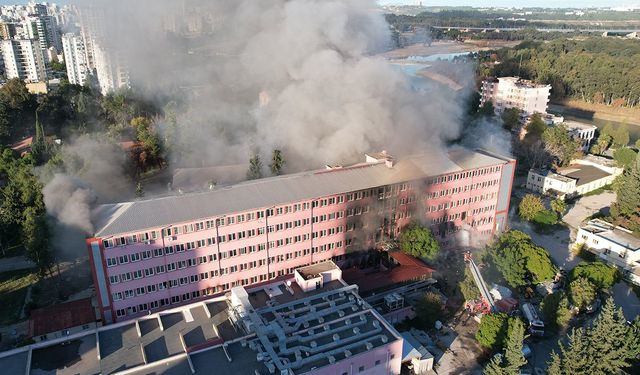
(615, 245)
(581, 177)
(582, 132)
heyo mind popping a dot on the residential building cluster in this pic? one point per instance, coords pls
(30, 39)
(152, 254)
(580, 177)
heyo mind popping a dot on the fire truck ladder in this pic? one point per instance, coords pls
(487, 298)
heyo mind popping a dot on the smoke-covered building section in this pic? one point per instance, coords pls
(313, 323)
(152, 254)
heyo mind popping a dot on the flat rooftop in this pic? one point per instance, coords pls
(583, 174)
(284, 328)
(315, 270)
(622, 237)
(125, 217)
(579, 125)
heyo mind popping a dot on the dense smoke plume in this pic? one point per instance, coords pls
(251, 76)
(298, 75)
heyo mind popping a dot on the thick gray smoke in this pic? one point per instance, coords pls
(489, 135)
(298, 75)
(251, 76)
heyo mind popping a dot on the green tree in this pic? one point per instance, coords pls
(559, 206)
(255, 168)
(555, 310)
(530, 206)
(555, 365)
(468, 286)
(627, 189)
(139, 190)
(493, 330)
(624, 157)
(602, 275)
(15, 94)
(620, 135)
(511, 118)
(513, 357)
(637, 144)
(519, 260)
(613, 345)
(576, 357)
(487, 109)
(535, 128)
(277, 163)
(418, 241)
(429, 309)
(559, 143)
(35, 233)
(582, 292)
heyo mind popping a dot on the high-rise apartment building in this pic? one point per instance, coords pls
(151, 254)
(45, 29)
(23, 59)
(101, 55)
(510, 92)
(75, 59)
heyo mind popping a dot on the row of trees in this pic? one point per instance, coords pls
(276, 166)
(609, 346)
(626, 210)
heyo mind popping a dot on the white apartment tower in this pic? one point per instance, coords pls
(75, 58)
(510, 92)
(108, 64)
(23, 59)
(45, 29)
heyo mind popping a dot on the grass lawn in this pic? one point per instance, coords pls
(13, 289)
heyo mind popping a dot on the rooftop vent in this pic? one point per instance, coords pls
(336, 337)
(313, 344)
(356, 330)
(347, 353)
(384, 339)
(332, 359)
(368, 345)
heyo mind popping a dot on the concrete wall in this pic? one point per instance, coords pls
(383, 360)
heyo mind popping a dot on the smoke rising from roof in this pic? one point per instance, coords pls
(297, 75)
(251, 76)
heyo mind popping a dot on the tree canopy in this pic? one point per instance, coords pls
(519, 260)
(255, 168)
(602, 275)
(494, 329)
(609, 346)
(512, 360)
(418, 241)
(530, 206)
(429, 309)
(582, 292)
(624, 157)
(559, 143)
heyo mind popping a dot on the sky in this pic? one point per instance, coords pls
(518, 3)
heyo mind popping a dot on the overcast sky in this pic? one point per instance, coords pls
(518, 3)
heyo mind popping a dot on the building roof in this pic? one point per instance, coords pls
(615, 234)
(61, 316)
(126, 217)
(578, 125)
(315, 270)
(583, 174)
(197, 179)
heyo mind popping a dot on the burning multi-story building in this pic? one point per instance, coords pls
(151, 254)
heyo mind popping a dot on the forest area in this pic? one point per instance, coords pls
(595, 70)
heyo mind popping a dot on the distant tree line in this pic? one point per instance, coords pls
(595, 70)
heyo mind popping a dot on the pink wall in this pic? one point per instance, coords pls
(300, 253)
(390, 357)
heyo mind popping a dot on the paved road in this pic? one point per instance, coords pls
(15, 263)
(625, 298)
(587, 206)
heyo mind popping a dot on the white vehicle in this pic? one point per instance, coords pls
(536, 326)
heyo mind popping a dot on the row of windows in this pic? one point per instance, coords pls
(198, 293)
(460, 189)
(461, 202)
(463, 175)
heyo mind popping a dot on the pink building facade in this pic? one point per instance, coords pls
(150, 255)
